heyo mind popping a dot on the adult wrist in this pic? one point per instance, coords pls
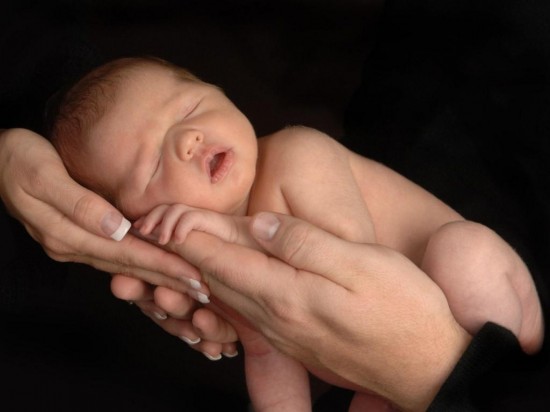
(440, 358)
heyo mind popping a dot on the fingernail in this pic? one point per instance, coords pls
(190, 341)
(199, 296)
(160, 316)
(115, 225)
(231, 355)
(195, 284)
(211, 357)
(265, 226)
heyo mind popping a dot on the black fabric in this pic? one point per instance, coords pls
(490, 345)
(455, 96)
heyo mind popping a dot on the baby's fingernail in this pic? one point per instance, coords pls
(265, 226)
(212, 357)
(199, 296)
(231, 355)
(115, 225)
(194, 283)
(190, 341)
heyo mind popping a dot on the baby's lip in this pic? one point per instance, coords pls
(217, 162)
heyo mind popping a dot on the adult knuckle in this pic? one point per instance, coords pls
(55, 248)
(295, 242)
(82, 207)
(35, 178)
(58, 257)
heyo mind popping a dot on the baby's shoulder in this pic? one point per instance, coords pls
(298, 143)
(297, 135)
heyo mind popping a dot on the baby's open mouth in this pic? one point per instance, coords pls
(219, 164)
(215, 163)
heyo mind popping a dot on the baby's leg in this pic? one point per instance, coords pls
(367, 402)
(484, 280)
(275, 381)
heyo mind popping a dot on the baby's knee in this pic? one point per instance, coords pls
(469, 242)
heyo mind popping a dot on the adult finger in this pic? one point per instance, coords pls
(135, 257)
(307, 247)
(48, 181)
(235, 272)
(88, 210)
(131, 289)
(212, 327)
(176, 304)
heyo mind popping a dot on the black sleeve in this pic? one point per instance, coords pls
(491, 345)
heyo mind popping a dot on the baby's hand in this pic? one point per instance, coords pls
(167, 223)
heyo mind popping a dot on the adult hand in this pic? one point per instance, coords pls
(180, 315)
(73, 223)
(354, 314)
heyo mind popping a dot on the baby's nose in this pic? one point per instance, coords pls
(187, 144)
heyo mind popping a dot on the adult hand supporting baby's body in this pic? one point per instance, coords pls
(356, 315)
(73, 223)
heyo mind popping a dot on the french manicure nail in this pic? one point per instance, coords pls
(199, 296)
(211, 357)
(190, 341)
(115, 225)
(160, 316)
(195, 284)
(231, 355)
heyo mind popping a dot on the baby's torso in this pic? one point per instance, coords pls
(394, 211)
(404, 214)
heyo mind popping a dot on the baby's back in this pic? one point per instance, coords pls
(404, 214)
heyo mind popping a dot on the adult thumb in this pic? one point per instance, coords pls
(88, 210)
(301, 244)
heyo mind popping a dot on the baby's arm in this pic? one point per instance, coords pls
(167, 223)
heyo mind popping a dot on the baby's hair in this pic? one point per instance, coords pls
(71, 113)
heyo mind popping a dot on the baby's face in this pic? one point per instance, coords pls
(168, 140)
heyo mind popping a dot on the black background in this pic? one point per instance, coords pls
(452, 94)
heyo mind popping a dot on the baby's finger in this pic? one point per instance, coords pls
(170, 219)
(153, 218)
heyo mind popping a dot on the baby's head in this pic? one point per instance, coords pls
(143, 132)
